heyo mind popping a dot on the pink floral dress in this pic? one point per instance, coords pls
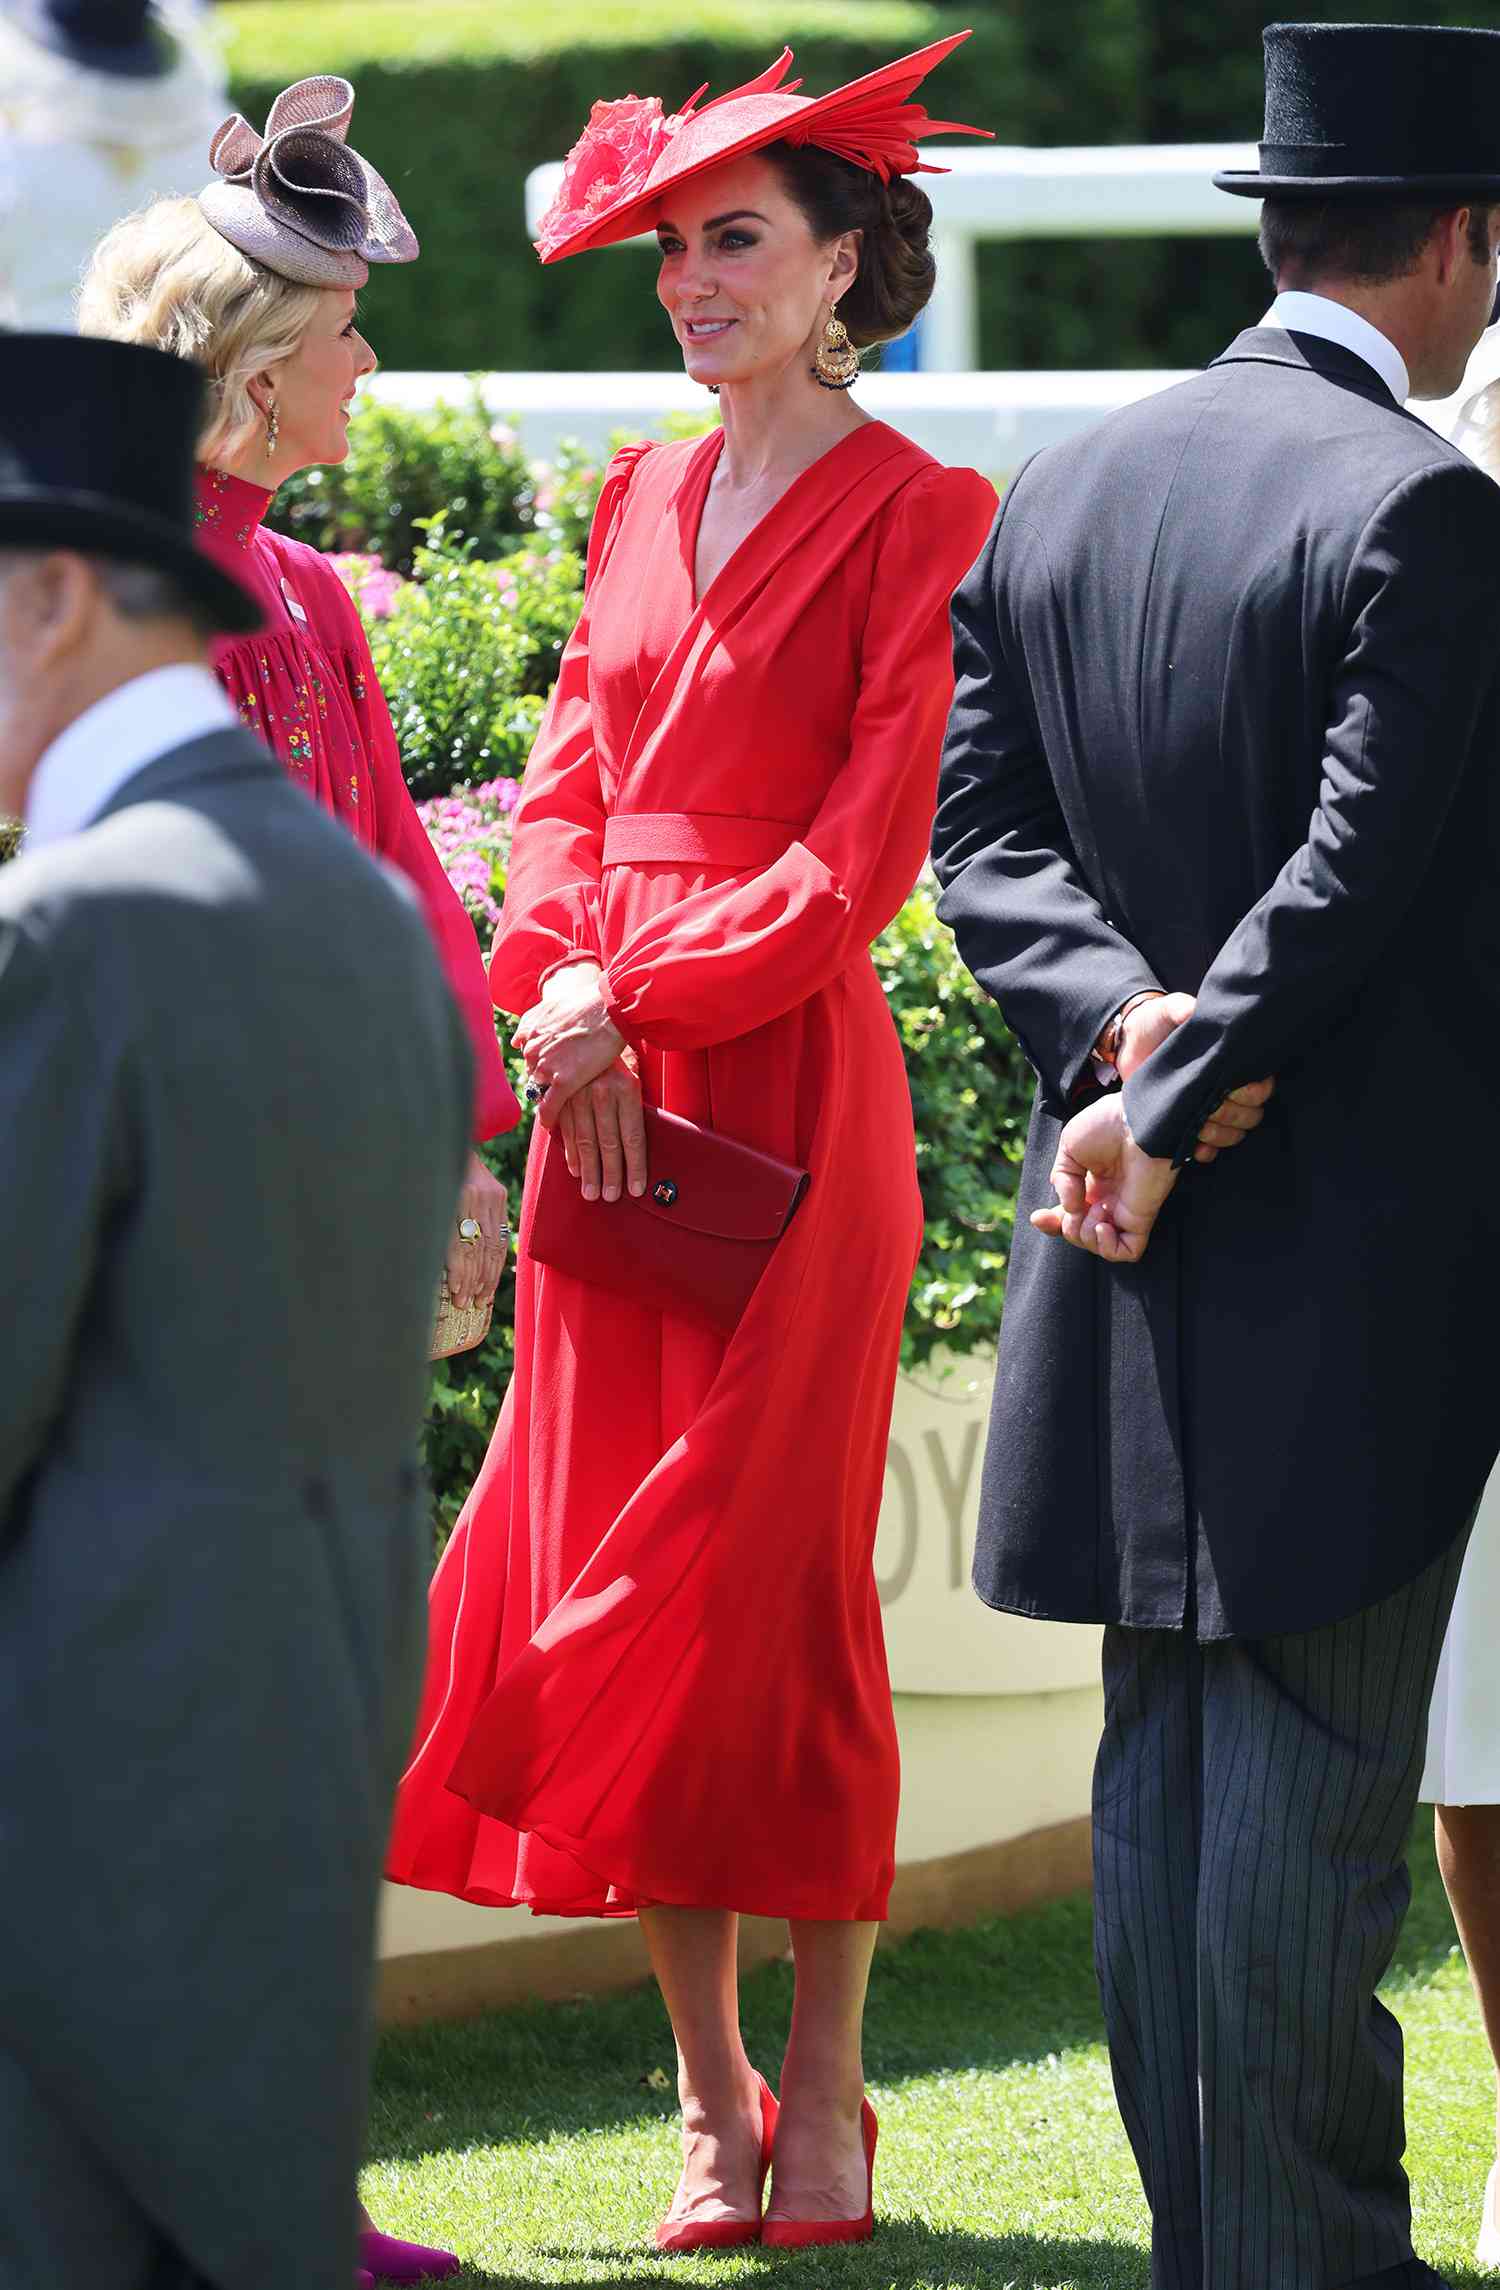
(306, 684)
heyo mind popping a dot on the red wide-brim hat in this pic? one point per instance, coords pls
(632, 152)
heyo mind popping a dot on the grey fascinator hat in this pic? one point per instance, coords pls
(297, 199)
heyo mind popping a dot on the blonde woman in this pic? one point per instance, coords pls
(255, 280)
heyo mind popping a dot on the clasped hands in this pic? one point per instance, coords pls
(1110, 1193)
(577, 1056)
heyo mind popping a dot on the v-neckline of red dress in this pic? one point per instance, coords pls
(693, 523)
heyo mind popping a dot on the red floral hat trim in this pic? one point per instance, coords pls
(631, 151)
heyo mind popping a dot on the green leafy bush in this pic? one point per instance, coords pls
(408, 466)
(971, 1097)
(466, 654)
(405, 468)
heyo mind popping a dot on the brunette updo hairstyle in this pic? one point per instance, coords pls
(896, 271)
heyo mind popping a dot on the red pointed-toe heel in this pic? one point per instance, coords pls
(802, 2234)
(678, 2235)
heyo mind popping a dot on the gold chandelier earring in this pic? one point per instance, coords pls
(273, 431)
(835, 363)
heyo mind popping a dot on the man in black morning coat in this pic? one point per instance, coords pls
(1227, 726)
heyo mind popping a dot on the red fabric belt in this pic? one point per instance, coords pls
(694, 838)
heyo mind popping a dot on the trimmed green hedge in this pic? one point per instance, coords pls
(458, 99)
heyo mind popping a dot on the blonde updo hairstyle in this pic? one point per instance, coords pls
(165, 278)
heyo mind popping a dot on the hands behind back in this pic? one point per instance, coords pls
(1110, 1193)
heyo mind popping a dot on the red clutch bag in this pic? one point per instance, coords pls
(698, 1239)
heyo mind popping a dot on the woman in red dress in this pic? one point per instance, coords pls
(255, 280)
(657, 1679)
(241, 280)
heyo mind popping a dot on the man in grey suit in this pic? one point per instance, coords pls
(233, 1113)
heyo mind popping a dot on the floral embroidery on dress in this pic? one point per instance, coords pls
(211, 512)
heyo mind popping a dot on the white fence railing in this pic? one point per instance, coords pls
(1014, 192)
(985, 421)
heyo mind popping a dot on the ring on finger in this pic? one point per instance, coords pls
(470, 1230)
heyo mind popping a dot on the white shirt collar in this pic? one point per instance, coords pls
(88, 764)
(1331, 321)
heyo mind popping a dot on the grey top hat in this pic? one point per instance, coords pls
(124, 38)
(1377, 111)
(297, 199)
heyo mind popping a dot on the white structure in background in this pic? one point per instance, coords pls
(1006, 191)
(990, 420)
(79, 149)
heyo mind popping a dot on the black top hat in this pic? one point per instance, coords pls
(123, 37)
(1377, 111)
(96, 453)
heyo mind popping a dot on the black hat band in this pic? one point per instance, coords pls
(1378, 161)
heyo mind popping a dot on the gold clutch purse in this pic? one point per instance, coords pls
(455, 1331)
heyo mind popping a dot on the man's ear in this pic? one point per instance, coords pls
(1451, 240)
(56, 597)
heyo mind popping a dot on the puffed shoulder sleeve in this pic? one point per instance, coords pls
(551, 912)
(403, 842)
(732, 957)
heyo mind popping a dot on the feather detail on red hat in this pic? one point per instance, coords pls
(769, 82)
(632, 153)
(878, 134)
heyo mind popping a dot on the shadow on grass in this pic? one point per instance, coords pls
(1013, 1989)
(1010, 1990)
(903, 2256)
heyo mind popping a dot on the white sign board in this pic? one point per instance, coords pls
(940, 1638)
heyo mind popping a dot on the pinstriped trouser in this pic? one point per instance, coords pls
(1252, 1801)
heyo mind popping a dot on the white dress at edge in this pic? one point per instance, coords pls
(1463, 1740)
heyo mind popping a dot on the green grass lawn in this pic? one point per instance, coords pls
(534, 2143)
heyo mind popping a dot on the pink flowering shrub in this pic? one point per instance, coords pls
(470, 831)
(373, 586)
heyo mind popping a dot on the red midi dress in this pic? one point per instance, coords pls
(306, 683)
(657, 1671)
